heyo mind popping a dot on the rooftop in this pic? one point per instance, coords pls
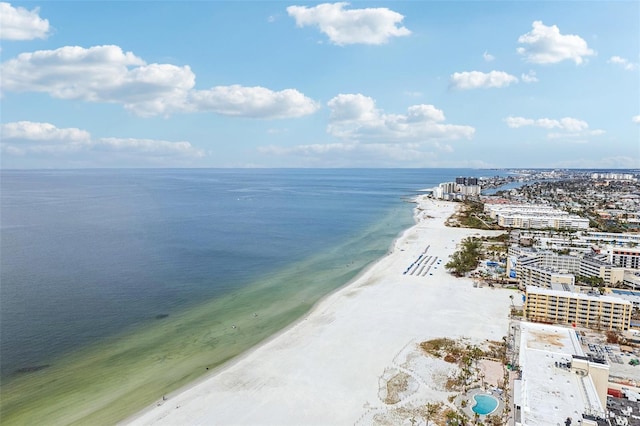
(551, 391)
(562, 293)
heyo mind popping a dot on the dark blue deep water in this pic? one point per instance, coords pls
(88, 254)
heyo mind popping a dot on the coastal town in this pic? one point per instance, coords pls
(313, 213)
(512, 301)
(571, 252)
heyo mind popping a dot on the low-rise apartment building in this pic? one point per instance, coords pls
(534, 216)
(554, 221)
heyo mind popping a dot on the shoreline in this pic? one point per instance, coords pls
(308, 369)
(239, 358)
(106, 383)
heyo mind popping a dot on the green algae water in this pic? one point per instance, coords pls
(162, 276)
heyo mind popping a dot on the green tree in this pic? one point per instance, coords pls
(431, 409)
(467, 258)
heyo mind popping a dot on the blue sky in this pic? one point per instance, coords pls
(301, 84)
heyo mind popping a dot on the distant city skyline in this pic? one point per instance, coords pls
(300, 84)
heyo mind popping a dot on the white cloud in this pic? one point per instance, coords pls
(355, 26)
(256, 102)
(616, 162)
(108, 74)
(515, 122)
(545, 45)
(488, 57)
(476, 79)
(18, 23)
(353, 108)
(636, 119)
(148, 146)
(26, 137)
(413, 94)
(29, 130)
(566, 123)
(530, 77)
(100, 74)
(355, 117)
(569, 128)
(576, 136)
(623, 62)
(354, 154)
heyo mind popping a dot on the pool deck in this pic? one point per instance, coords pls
(472, 402)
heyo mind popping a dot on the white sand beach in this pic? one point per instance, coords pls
(328, 367)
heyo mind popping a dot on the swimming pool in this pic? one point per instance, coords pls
(627, 292)
(485, 404)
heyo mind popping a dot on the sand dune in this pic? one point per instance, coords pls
(328, 367)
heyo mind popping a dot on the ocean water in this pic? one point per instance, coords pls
(120, 285)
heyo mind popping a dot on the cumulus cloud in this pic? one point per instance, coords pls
(545, 45)
(476, 80)
(530, 77)
(356, 117)
(29, 130)
(569, 128)
(566, 123)
(623, 62)
(18, 23)
(108, 74)
(100, 74)
(26, 137)
(355, 26)
(252, 102)
(488, 57)
(636, 119)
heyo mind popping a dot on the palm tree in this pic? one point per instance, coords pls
(431, 409)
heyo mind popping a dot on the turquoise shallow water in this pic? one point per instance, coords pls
(118, 286)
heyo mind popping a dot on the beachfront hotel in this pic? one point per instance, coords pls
(597, 266)
(534, 216)
(533, 275)
(523, 258)
(545, 267)
(577, 309)
(612, 238)
(626, 257)
(541, 221)
(580, 241)
(462, 188)
(558, 382)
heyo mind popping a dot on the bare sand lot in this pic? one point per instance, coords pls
(339, 363)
